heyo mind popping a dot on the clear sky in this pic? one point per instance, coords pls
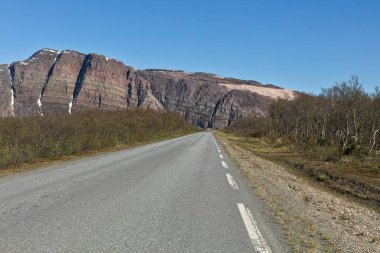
(302, 45)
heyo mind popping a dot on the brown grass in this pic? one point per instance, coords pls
(314, 217)
(299, 233)
(351, 176)
(31, 142)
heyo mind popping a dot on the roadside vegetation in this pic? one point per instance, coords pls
(313, 218)
(333, 138)
(30, 139)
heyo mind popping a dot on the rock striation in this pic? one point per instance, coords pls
(51, 82)
(200, 98)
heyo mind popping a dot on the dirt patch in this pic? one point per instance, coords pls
(313, 219)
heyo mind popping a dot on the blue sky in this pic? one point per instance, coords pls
(302, 45)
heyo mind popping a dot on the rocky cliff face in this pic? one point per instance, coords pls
(53, 81)
(57, 94)
(200, 98)
(5, 91)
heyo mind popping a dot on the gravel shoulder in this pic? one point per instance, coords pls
(313, 219)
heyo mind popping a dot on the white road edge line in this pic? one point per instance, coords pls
(257, 240)
(232, 182)
(224, 164)
(221, 157)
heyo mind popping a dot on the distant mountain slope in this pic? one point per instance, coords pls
(52, 81)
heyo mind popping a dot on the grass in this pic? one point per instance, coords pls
(299, 232)
(357, 177)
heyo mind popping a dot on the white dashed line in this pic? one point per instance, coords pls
(219, 151)
(221, 157)
(257, 240)
(224, 164)
(232, 182)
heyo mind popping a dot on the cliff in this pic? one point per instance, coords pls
(52, 81)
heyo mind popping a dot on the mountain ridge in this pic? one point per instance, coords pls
(52, 81)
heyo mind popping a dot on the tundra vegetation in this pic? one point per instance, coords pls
(29, 139)
(333, 137)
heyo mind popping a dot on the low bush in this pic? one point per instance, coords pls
(326, 153)
(24, 140)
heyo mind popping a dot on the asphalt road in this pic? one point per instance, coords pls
(180, 195)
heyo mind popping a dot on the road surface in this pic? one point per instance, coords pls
(180, 195)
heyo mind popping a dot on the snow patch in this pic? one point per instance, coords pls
(107, 58)
(39, 103)
(70, 52)
(32, 59)
(23, 63)
(71, 104)
(57, 56)
(12, 102)
(50, 50)
(12, 93)
(55, 59)
(170, 70)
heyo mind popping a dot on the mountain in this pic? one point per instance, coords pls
(51, 82)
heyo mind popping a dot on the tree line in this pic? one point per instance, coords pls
(24, 140)
(344, 117)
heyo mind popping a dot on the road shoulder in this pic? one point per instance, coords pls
(312, 219)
